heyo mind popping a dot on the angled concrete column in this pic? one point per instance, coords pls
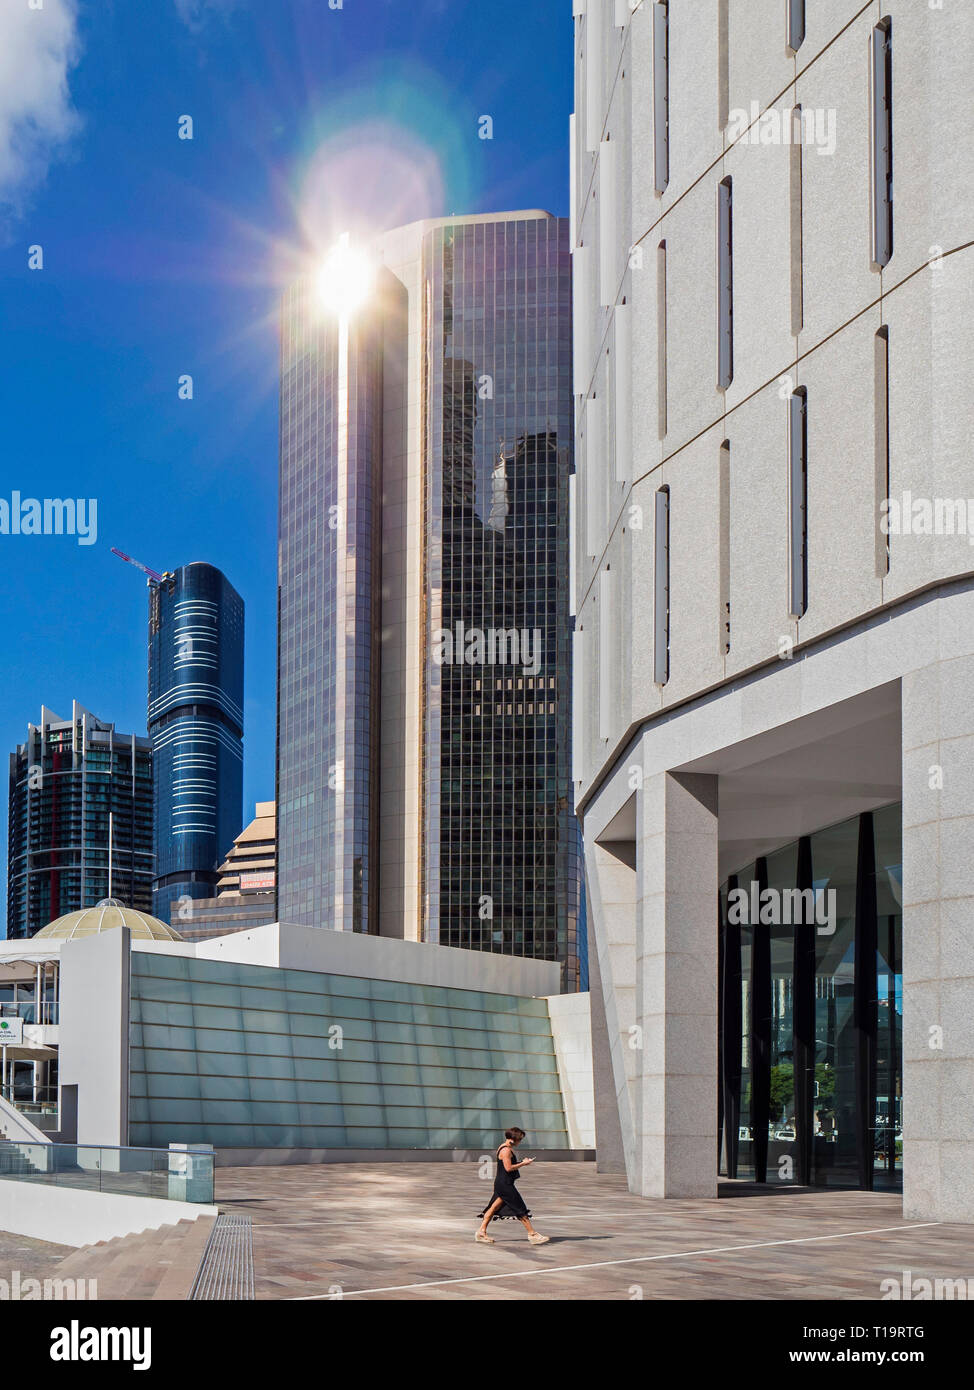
(611, 886)
(938, 941)
(676, 987)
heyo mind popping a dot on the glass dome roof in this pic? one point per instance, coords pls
(104, 916)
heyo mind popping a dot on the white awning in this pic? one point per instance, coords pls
(24, 970)
(29, 1052)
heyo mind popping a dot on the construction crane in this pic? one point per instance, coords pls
(156, 578)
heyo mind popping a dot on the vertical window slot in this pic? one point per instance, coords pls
(796, 24)
(798, 500)
(797, 250)
(661, 614)
(882, 446)
(661, 336)
(725, 606)
(881, 106)
(725, 285)
(661, 93)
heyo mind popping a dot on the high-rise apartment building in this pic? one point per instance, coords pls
(70, 781)
(424, 670)
(195, 717)
(774, 591)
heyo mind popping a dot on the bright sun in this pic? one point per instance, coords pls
(345, 280)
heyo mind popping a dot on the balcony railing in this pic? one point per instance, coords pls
(30, 1011)
(31, 1100)
(184, 1175)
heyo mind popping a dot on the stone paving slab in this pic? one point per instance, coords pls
(405, 1231)
(35, 1259)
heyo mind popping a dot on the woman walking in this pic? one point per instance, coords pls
(507, 1204)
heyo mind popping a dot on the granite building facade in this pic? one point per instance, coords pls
(774, 591)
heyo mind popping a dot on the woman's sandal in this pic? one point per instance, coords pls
(536, 1238)
(484, 1240)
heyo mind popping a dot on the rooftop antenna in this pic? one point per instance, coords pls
(156, 578)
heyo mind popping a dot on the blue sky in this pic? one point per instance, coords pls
(165, 257)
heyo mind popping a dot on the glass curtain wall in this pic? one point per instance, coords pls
(811, 1013)
(501, 863)
(329, 597)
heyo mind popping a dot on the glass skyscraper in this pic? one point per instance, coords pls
(196, 647)
(66, 780)
(424, 636)
(328, 615)
(500, 866)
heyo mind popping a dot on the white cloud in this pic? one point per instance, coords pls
(38, 47)
(195, 13)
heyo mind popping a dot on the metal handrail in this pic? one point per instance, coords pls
(48, 1011)
(22, 1096)
(126, 1148)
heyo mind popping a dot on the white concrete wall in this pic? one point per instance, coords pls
(73, 1216)
(383, 958)
(571, 1030)
(938, 930)
(94, 1033)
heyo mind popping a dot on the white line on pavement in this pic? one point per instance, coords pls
(604, 1264)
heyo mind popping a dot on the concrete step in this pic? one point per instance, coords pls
(156, 1264)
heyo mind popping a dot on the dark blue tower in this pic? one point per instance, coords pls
(196, 649)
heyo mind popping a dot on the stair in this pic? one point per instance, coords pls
(16, 1126)
(14, 1163)
(149, 1265)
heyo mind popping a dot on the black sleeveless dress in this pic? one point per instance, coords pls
(513, 1208)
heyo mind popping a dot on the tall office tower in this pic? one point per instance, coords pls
(69, 777)
(328, 615)
(196, 647)
(775, 598)
(426, 453)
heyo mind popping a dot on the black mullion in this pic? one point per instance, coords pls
(864, 1011)
(760, 1033)
(803, 1053)
(730, 1036)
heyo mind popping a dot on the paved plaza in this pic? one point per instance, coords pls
(406, 1231)
(32, 1259)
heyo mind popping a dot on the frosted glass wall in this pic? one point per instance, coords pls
(251, 1056)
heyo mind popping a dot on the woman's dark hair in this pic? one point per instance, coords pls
(514, 1133)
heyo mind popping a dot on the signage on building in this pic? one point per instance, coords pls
(11, 1031)
(253, 882)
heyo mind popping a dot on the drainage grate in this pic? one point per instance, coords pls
(227, 1268)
